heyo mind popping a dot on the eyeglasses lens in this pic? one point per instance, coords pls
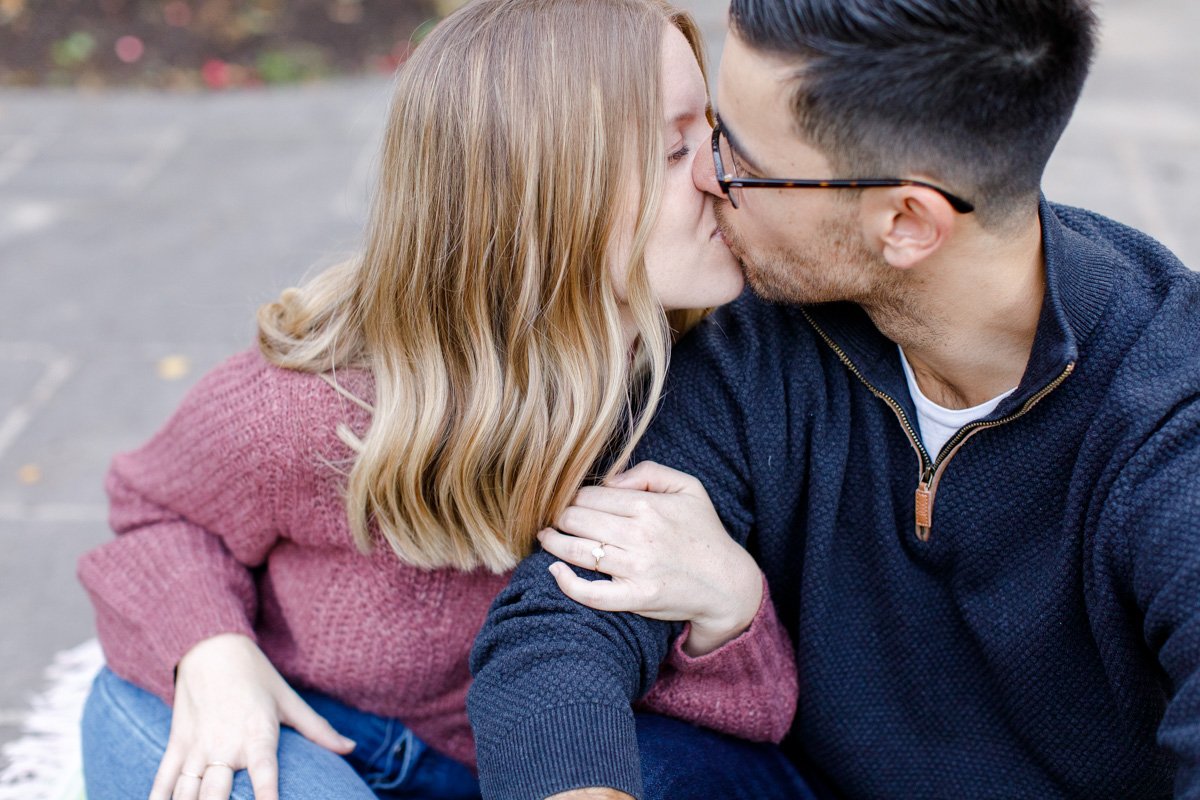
(728, 166)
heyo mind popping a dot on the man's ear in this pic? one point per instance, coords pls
(907, 223)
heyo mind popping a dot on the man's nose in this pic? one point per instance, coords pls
(704, 173)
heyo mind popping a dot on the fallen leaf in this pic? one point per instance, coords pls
(172, 368)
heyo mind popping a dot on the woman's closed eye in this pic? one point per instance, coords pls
(679, 155)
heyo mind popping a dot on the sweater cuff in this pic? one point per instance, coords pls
(148, 659)
(736, 649)
(181, 637)
(570, 747)
(153, 605)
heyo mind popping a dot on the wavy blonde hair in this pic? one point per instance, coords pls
(483, 303)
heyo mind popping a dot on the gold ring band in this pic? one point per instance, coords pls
(598, 553)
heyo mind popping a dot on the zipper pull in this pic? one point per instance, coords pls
(924, 507)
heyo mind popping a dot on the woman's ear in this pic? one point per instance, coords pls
(908, 223)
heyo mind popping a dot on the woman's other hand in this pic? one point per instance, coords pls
(229, 703)
(666, 551)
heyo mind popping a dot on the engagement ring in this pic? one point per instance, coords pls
(598, 553)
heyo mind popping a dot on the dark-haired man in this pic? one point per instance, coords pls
(960, 434)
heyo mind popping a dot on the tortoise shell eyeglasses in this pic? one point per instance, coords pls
(731, 183)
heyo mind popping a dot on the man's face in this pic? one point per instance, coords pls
(797, 245)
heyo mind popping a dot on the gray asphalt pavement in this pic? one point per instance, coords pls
(139, 232)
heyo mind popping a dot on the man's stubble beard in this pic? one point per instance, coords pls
(834, 265)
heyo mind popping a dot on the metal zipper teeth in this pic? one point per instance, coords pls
(972, 427)
(967, 431)
(930, 468)
(927, 463)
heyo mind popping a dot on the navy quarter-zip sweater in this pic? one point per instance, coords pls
(1018, 617)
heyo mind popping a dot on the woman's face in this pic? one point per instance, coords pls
(687, 261)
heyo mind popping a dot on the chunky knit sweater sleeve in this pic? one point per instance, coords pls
(1153, 516)
(554, 680)
(196, 510)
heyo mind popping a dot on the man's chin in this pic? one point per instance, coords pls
(780, 286)
(762, 284)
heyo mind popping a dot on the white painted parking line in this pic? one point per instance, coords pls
(58, 368)
(54, 512)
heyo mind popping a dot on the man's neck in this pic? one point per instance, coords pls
(967, 317)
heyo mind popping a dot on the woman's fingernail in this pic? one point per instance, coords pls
(349, 742)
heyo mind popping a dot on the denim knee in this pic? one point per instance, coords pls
(681, 761)
(124, 733)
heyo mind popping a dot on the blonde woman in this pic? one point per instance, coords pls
(313, 540)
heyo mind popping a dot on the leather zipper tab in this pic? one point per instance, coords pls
(924, 506)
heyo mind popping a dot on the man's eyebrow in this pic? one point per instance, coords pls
(737, 149)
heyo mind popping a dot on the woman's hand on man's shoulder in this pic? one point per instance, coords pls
(654, 531)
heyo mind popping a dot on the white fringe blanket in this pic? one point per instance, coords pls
(45, 763)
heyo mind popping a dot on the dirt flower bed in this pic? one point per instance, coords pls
(205, 44)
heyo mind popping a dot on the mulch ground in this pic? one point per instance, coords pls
(205, 44)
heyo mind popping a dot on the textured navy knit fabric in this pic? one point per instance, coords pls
(1043, 642)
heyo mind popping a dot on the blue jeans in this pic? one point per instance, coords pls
(125, 732)
(684, 762)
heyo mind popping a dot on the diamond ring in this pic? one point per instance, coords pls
(598, 553)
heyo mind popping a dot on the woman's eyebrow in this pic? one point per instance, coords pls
(687, 113)
(737, 149)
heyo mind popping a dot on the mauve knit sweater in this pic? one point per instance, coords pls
(230, 520)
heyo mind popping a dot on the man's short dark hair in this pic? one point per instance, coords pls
(974, 93)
